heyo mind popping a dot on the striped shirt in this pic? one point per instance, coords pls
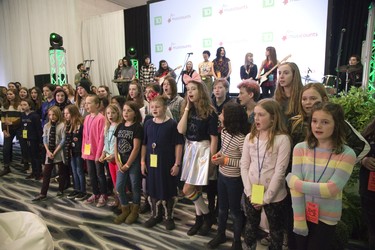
(232, 148)
(325, 188)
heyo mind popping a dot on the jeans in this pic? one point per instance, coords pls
(134, 172)
(78, 174)
(97, 177)
(32, 153)
(368, 211)
(320, 237)
(229, 193)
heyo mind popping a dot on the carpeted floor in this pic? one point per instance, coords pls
(74, 225)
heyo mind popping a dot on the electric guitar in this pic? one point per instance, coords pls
(264, 77)
(161, 79)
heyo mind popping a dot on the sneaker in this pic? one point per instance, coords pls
(60, 194)
(72, 195)
(92, 199)
(39, 197)
(80, 197)
(102, 201)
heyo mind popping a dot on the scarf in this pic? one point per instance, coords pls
(52, 139)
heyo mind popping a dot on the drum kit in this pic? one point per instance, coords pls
(331, 82)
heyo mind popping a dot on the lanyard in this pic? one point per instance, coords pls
(260, 166)
(325, 168)
(154, 144)
(231, 137)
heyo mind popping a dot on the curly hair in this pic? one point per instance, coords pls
(235, 119)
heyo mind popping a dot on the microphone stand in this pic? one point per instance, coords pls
(338, 60)
(182, 84)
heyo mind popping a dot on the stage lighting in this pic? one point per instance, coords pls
(56, 41)
(132, 52)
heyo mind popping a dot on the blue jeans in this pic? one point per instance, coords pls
(97, 177)
(78, 174)
(134, 174)
(229, 195)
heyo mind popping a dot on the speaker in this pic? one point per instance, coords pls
(41, 80)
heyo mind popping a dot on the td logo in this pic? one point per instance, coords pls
(268, 3)
(267, 37)
(207, 43)
(158, 47)
(158, 20)
(207, 12)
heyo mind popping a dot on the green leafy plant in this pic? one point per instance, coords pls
(359, 108)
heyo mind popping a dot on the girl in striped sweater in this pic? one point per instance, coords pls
(321, 167)
(229, 183)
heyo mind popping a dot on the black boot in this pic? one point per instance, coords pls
(169, 209)
(198, 224)
(157, 213)
(145, 207)
(5, 171)
(207, 224)
(219, 238)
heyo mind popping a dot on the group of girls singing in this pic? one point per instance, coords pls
(290, 160)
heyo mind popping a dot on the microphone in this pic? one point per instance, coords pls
(190, 53)
(343, 30)
(309, 70)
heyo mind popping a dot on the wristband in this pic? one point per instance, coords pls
(226, 160)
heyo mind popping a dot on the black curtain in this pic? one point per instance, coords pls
(350, 15)
(137, 31)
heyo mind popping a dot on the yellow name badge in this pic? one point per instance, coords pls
(24, 134)
(153, 160)
(87, 149)
(257, 194)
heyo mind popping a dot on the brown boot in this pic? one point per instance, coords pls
(133, 216)
(125, 214)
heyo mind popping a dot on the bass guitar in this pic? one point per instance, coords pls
(264, 77)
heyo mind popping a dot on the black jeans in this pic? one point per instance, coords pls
(97, 177)
(368, 211)
(8, 146)
(229, 192)
(319, 237)
(32, 154)
(63, 175)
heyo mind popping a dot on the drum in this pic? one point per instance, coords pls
(329, 82)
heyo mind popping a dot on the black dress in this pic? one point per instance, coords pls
(161, 185)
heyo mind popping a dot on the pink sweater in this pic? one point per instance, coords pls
(93, 134)
(272, 174)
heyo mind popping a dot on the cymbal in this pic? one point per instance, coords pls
(348, 68)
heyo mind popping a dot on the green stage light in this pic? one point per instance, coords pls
(131, 52)
(56, 41)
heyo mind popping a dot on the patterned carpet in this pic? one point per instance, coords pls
(74, 225)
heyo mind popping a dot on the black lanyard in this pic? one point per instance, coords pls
(325, 168)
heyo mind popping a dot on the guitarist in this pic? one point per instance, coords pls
(164, 70)
(268, 87)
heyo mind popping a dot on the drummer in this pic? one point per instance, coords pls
(353, 73)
